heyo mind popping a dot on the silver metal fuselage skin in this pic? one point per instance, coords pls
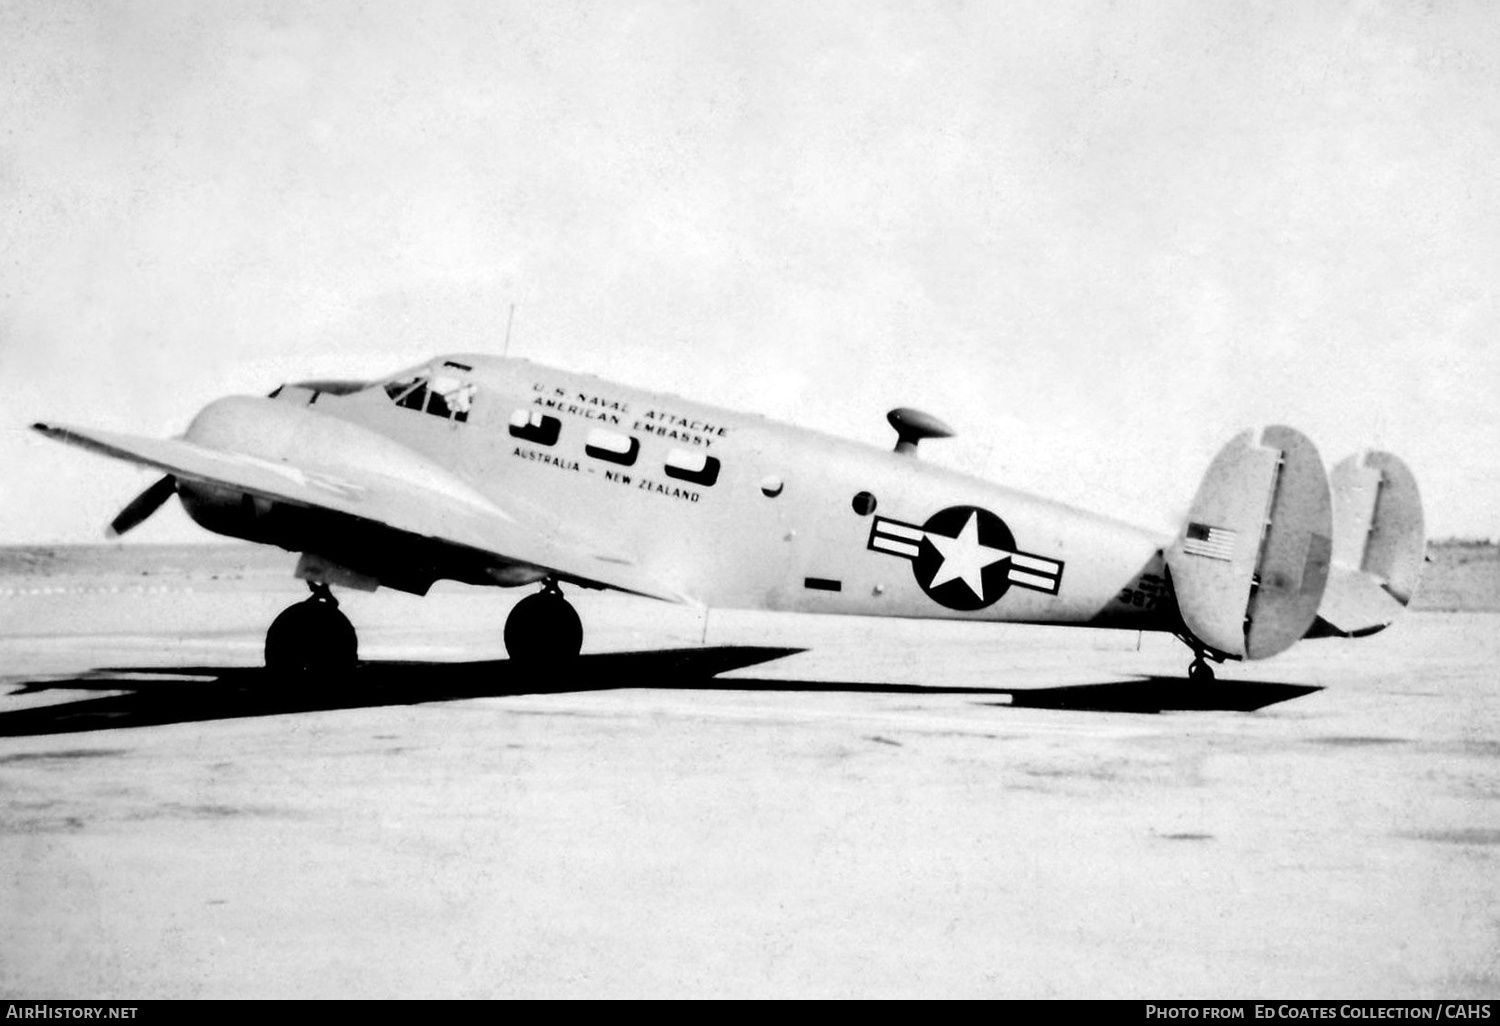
(779, 527)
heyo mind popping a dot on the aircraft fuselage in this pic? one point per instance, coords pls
(736, 511)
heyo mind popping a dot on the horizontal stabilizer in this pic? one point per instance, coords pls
(1353, 606)
(1250, 566)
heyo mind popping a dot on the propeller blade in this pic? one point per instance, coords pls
(144, 504)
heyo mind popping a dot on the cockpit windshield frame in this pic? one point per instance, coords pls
(414, 390)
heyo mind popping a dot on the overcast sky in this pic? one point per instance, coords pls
(1098, 239)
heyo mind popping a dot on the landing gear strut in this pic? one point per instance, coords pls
(312, 635)
(1199, 671)
(543, 626)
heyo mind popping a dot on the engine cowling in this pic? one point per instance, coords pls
(226, 511)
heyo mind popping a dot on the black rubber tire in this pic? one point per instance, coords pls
(311, 636)
(1199, 672)
(541, 627)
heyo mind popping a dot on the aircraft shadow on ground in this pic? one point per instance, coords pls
(152, 696)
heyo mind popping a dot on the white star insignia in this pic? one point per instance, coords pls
(964, 559)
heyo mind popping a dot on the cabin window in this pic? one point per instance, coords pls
(612, 447)
(864, 504)
(697, 468)
(771, 485)
(534, 426)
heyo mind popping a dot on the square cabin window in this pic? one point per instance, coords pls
(532, 426)
(612, 447)
(697, 468)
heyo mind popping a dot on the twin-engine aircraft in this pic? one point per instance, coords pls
(501, 472)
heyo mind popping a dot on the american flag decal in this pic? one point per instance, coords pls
(1209, 542)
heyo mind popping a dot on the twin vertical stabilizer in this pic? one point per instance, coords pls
(1250, 567)
(1379, 544)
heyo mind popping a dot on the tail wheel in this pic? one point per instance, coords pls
(543, 626)
(312, 636)
(1199, 672)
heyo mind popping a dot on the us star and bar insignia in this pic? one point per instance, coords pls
(965, 557)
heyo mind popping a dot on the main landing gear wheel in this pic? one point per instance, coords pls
(312, 635)
(543, 626)
(1199, 672)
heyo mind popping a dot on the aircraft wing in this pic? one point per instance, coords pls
(420, 498)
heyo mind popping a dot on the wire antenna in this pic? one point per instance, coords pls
(508, 322)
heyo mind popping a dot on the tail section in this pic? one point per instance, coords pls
(1379, 544)
(1250, 567)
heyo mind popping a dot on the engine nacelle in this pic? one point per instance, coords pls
(226, 511)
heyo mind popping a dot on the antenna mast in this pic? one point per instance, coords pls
(508, 321)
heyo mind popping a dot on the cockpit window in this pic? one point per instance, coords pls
(401, 390)
(450, 396)
(440, 392)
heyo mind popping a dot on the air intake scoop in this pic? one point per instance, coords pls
(912, 426)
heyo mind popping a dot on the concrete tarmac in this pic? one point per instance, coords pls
(756, 806)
